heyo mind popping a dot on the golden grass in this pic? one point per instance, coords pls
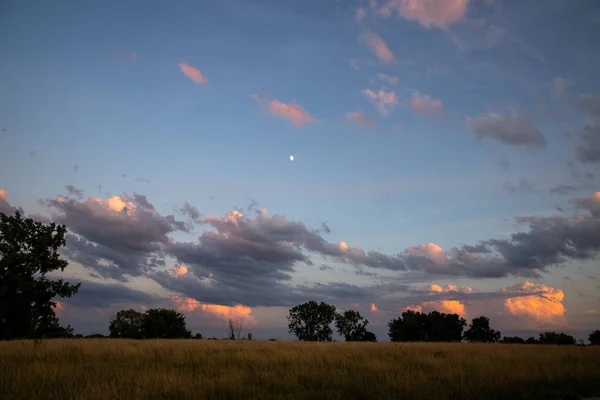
(202, 369)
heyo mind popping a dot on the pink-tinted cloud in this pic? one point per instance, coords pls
(424, 104)
(391, 80)
(378, 47)
(3, 194)
(544, 305)
(429, 13)
(558, 86)
(193, 73)
(373, 307)
(293, 112)
(180, 270)
(359, 118)
(443, 306)
(383, 101)
(434, 288)
(360, 14)
(188, 304)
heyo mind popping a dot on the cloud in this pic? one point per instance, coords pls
(373, 307)
(424, 104)
(5, 207)
(545, 305)
(435, 288)
(74, 191)
(353, 63)
(188, 304)
(391, 80)
(590, 203)
(558, 86)
(443, 306)
(378, 47)
(3, 194)
(429, 13)
(383, 101)
(360, 14)
(588, 150)
(516, 131)
(503, 165)
(523, 186)
(359, 118)
(193, 73)
(180, 270)
(105, 295)
(293, 112)
(115, 236)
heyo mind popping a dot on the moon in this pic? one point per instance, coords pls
(291, 158)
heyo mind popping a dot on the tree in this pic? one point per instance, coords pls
(28, 251)
(433, 327)
(235, 328)
(594, 338)
(441, 327)
(198, 336)
(162, 323)
(410, 327)
(127, 324)
(531, 340)
(350, 326)
(556, 338)
(513, 340)
(310, 321)
(480, 331)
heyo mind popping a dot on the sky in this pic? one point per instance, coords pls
(446, 157)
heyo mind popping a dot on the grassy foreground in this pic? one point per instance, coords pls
(191, 369)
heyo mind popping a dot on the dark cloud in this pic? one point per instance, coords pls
(503, 165)
(74, 191)
(588, 151)
(6, 208)
(516, 131)
(523, 186)
(325, 267)
(590, 203)
(190, 211)
(105, 295)
(114, 237)
(76, 167)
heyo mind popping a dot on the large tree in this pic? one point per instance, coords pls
(28, 251)
(311, 321)
(410, 327)
(480, 331)
(353, 327)
(556, 338)
(162, 323)
(594, 337)
(126, 324)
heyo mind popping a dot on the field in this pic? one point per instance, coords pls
(203, 369)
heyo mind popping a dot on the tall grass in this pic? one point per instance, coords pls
(192, 369)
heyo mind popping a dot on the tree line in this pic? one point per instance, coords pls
(29, 250)
(312, 321)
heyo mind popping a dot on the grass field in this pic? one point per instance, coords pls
(203, 369)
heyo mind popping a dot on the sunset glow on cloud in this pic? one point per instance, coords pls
(378, 47)
(545, 306)
(193, 73)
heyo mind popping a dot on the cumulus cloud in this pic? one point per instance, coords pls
(429, 13)
(188, 304)
(362, 119)
(5, 207)
(435, 288)
(443, 306)
(193, 73)
(516, 131)
(590, 203)
(424, 104)
(180, 270)
(544, 304)
(378, 47)
(293, 112)
(383, 101)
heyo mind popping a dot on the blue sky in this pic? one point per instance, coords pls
(101, 87)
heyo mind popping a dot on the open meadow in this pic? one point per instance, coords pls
(88, 369)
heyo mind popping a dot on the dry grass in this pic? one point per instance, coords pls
(192, 369)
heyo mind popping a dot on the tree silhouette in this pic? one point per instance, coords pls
(556, 338)
(480, 331)
(162, 323)
(310, 321)
(594, 338)
(234, 328)
(28, 251)
(433, 327)
(350, 326)
(127, 324)
(512, 339)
